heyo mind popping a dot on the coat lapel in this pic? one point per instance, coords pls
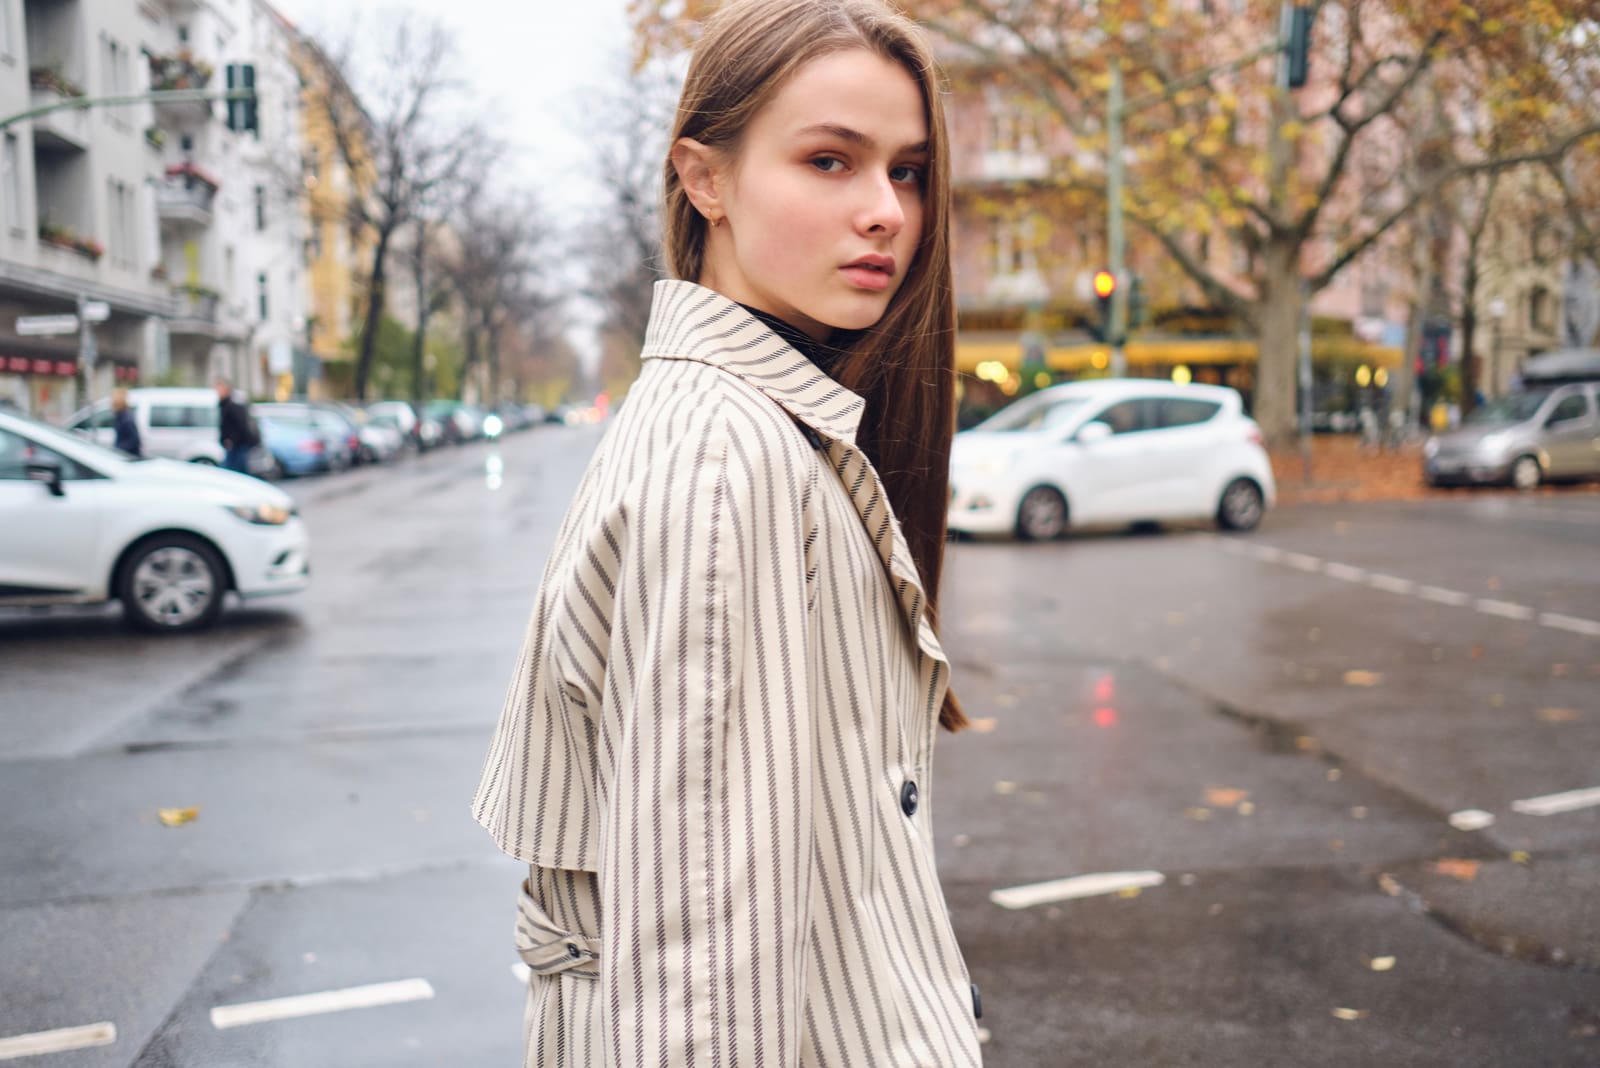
(690, 322)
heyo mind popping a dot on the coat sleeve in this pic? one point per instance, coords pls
(707, 864)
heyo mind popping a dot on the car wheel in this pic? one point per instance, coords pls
(1241, 507)
(1525, 473)
(1042, 515)
(172, 583)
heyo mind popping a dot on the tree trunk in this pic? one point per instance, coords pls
(1469, 327)
(419, 341)
(369, 331)
(1278, 344)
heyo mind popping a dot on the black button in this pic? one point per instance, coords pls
(908, 798)
(573, 951)
(977, 1003)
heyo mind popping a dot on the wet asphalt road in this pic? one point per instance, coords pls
(1280, 725)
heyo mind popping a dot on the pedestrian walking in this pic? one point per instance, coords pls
(715, 749)
(124, 426)
(236, 430)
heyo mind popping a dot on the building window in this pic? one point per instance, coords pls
(1541, 310)
(124, 222)
(261, 295)
(11, 177)
(1013, 247)
(261, 208)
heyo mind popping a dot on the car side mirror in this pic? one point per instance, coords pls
(1090, 433)
(48, 472)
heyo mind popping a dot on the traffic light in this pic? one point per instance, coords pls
(1105, 284)
(242, 114)
(1297, 45)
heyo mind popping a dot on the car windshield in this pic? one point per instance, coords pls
(1514, 408)
(55, 437)
(1038, 412)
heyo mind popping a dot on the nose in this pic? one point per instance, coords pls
(883, 214)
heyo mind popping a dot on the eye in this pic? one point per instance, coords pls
(906, 172)
(828, 164)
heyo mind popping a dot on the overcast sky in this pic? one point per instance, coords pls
(537, 62)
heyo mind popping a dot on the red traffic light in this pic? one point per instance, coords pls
(1105, 283)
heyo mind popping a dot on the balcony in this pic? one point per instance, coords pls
(185, 202)
(1014, 166)
(60, 130)
(195, 312)
(181, 71)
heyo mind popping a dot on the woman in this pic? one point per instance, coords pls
(715, 750)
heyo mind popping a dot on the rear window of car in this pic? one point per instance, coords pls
(183, 416)
(1184, 411)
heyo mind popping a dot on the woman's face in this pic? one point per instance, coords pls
(822, 205)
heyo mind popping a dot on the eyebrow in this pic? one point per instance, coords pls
(856, 137)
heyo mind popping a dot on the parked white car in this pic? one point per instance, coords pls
(176, 422)
(1108, 452)
(82, 524)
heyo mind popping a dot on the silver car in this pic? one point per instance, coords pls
(1542, 434)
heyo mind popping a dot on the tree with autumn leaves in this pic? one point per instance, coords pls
(1408, 106)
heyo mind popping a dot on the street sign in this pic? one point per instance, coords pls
(96, 311)
(46, 325)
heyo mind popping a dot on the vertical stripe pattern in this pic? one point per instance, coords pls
(727, 684)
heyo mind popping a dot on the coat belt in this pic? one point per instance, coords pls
(547, 948)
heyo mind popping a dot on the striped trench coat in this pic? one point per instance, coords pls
(714, 754)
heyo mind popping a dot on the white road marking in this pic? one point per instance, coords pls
(1302, 561)
(1391, 584)
(1344, 572)
(1108, 882)
(1471, 819)
(1575, 625)
(1439, 595)
(355, 997)
(1490, 607)
(521, 972)
(1269, 554)
(1551, 804)
(58, 1041)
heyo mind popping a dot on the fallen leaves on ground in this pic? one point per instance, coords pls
(1456, 868)
(1558, 715)
(1363, 678)
(982, 724)
(177, 817)
(1226, 796)
(1381, 964)
(1349, 1014)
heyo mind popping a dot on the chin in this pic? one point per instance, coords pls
(856, 314)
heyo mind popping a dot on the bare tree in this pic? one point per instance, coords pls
(621, 242)
(405, 148)
(499, 275)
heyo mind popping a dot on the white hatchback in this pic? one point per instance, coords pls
(82, 524)
(1109, 452)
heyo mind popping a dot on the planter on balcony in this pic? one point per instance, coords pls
(190, 173)
(155, 136)
(178, 72)
(50, 79)
(64, 237)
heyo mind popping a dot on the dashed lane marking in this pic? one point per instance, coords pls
(1404, 587)
(61, 1040)
(1551, 804)
(355, 997)
(1109, 882)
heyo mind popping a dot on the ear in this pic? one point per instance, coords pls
(699, 168)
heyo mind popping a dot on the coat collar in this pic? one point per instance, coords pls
(691, 322)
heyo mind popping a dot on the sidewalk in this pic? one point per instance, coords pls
(1341, 471)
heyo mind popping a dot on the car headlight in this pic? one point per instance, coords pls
(990, 465)
(266, 515)
(1430, 448)
(492, 426)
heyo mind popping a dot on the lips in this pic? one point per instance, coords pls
(873, 262)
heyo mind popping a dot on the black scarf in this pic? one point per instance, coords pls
(824, 354)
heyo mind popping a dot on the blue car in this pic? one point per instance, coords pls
(296, 445)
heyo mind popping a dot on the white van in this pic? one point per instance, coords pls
(176, 423)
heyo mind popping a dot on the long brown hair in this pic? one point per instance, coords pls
(904, 366)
